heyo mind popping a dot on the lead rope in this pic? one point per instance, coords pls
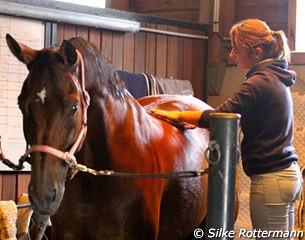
(42, 229)
(182, 174)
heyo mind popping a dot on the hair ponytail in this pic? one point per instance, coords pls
(280, 48)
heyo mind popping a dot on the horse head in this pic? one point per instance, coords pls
(53, 102)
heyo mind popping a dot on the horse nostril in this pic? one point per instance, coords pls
(30, 188)
(53, 195)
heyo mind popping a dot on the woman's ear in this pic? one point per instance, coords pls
(258, 52)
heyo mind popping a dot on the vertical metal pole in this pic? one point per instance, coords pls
(50, 34)
(223, 156)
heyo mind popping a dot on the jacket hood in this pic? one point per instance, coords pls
(278, 67)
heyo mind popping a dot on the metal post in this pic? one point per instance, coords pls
(222, 157)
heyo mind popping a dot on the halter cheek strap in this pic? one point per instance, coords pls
(69, 157)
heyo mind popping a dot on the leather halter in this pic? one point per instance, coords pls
(69, 157)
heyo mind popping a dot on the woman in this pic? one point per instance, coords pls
(265, 104)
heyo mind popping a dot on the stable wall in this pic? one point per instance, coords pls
(152, 53)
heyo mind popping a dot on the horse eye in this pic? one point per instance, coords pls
(74, 109)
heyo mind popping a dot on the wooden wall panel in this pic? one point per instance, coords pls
(82, 32)
(292, 9)
(180, 55)
(118, 4)
(187, 59)
(23, 180)
(13, 184)
(153, 53)
(140, 43)
(186, 10)
(161, 52)
(128, 55)
(9, 186)
(95, 37)
(106, 47)
(151, 45)
(157, 54)
(117, 51)
(172, 54)
(69, 31)
(198, 67)
(161, 5)
(274, 12)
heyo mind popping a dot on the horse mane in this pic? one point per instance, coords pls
(99, 73)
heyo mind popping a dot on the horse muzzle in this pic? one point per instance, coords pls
(47, 200)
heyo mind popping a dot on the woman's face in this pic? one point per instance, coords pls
(242, 56)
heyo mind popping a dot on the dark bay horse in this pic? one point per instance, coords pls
(121, 136)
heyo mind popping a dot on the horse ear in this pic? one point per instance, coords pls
(68, 52)
(24, 53)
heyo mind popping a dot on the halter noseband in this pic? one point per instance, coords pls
(69, 157)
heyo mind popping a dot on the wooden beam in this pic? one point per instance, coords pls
(118, 4)
(205, 12)
(145, 6)
(292, 9)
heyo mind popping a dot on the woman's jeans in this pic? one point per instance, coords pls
(272, 199)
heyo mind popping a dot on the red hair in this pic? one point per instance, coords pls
(251, 33)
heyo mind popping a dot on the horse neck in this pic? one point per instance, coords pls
(113, 125)
(122, 114)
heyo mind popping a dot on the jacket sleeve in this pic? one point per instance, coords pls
(249, 95)
(243, 100)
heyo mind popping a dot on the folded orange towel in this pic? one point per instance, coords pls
(24, 216)
(8, 218)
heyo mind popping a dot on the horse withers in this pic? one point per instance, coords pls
(113, 131)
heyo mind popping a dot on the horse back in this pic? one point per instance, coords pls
(173, 103)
